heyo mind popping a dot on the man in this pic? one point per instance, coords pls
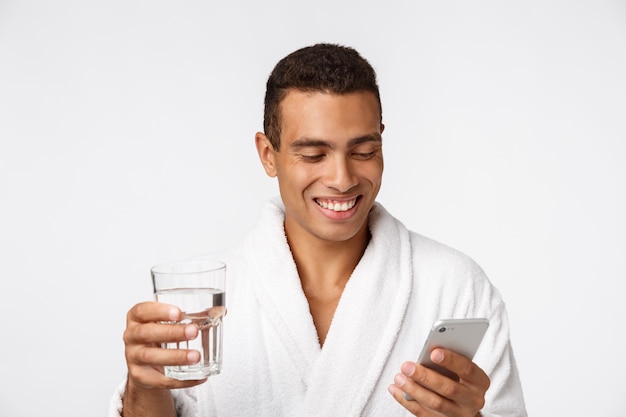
(330, 297)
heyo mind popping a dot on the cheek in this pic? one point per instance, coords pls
(294, 179)
(373, 172)
(303, 174)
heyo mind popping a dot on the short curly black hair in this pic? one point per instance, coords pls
(323, 67)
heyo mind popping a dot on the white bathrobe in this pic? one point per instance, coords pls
(273, 364)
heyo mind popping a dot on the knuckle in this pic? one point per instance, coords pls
(145, 356)
(138, 311)
(173, 332)
(169, 383)
(133, 313)
(420, 376)
(449, 388)
(142, 332)
(134, 373)
(437, 403)
(143, 312)
(476, 402)
(466, 369)
(126, 337)
(480, 403)
(487, 383)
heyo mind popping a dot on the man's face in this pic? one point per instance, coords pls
(330, 163)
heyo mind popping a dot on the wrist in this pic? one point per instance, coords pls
(141, 401)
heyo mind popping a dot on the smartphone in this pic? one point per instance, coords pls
(462, 336)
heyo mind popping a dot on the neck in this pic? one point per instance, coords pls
(324, 268)
(323, 263)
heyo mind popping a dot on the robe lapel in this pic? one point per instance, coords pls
(366, 323)
(278, 290)
(338, 379)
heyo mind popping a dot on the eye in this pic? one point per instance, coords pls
(312, 158)
(364, 155)
(365, 151)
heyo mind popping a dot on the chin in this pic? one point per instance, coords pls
(341, 234)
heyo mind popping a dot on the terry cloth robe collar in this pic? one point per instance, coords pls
(341, 376)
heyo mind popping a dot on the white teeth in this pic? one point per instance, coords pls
(337, 206)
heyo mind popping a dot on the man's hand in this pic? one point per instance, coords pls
(436, 395)
(147, 390)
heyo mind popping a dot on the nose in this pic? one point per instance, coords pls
(340, 175)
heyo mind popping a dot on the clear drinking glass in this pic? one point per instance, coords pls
(198, 289)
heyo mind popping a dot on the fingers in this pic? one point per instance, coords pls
(415, 407)
(142, 325)
(147, 327)
(151, 378)
(434, 394)
(466, 370)
(145, 366)
(152, 311)
(159, 333)
(431, 393)
(155, 356)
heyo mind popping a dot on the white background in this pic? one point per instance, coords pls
(126, 139)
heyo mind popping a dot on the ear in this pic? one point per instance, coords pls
(266, 152)
(382, 128)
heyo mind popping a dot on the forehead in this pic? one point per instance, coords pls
(324, 115)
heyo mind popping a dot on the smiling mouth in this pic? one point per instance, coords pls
(336, 205)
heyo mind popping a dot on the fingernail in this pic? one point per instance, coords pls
(193, 356)
(399, 380)
(391, 389)
(408, 368)
(173, 314)
(191, 331)
(436, 356)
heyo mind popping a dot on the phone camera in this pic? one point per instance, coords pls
(442, 329)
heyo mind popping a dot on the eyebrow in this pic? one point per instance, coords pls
(305, 142)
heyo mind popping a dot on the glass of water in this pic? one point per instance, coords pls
(198, 289)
